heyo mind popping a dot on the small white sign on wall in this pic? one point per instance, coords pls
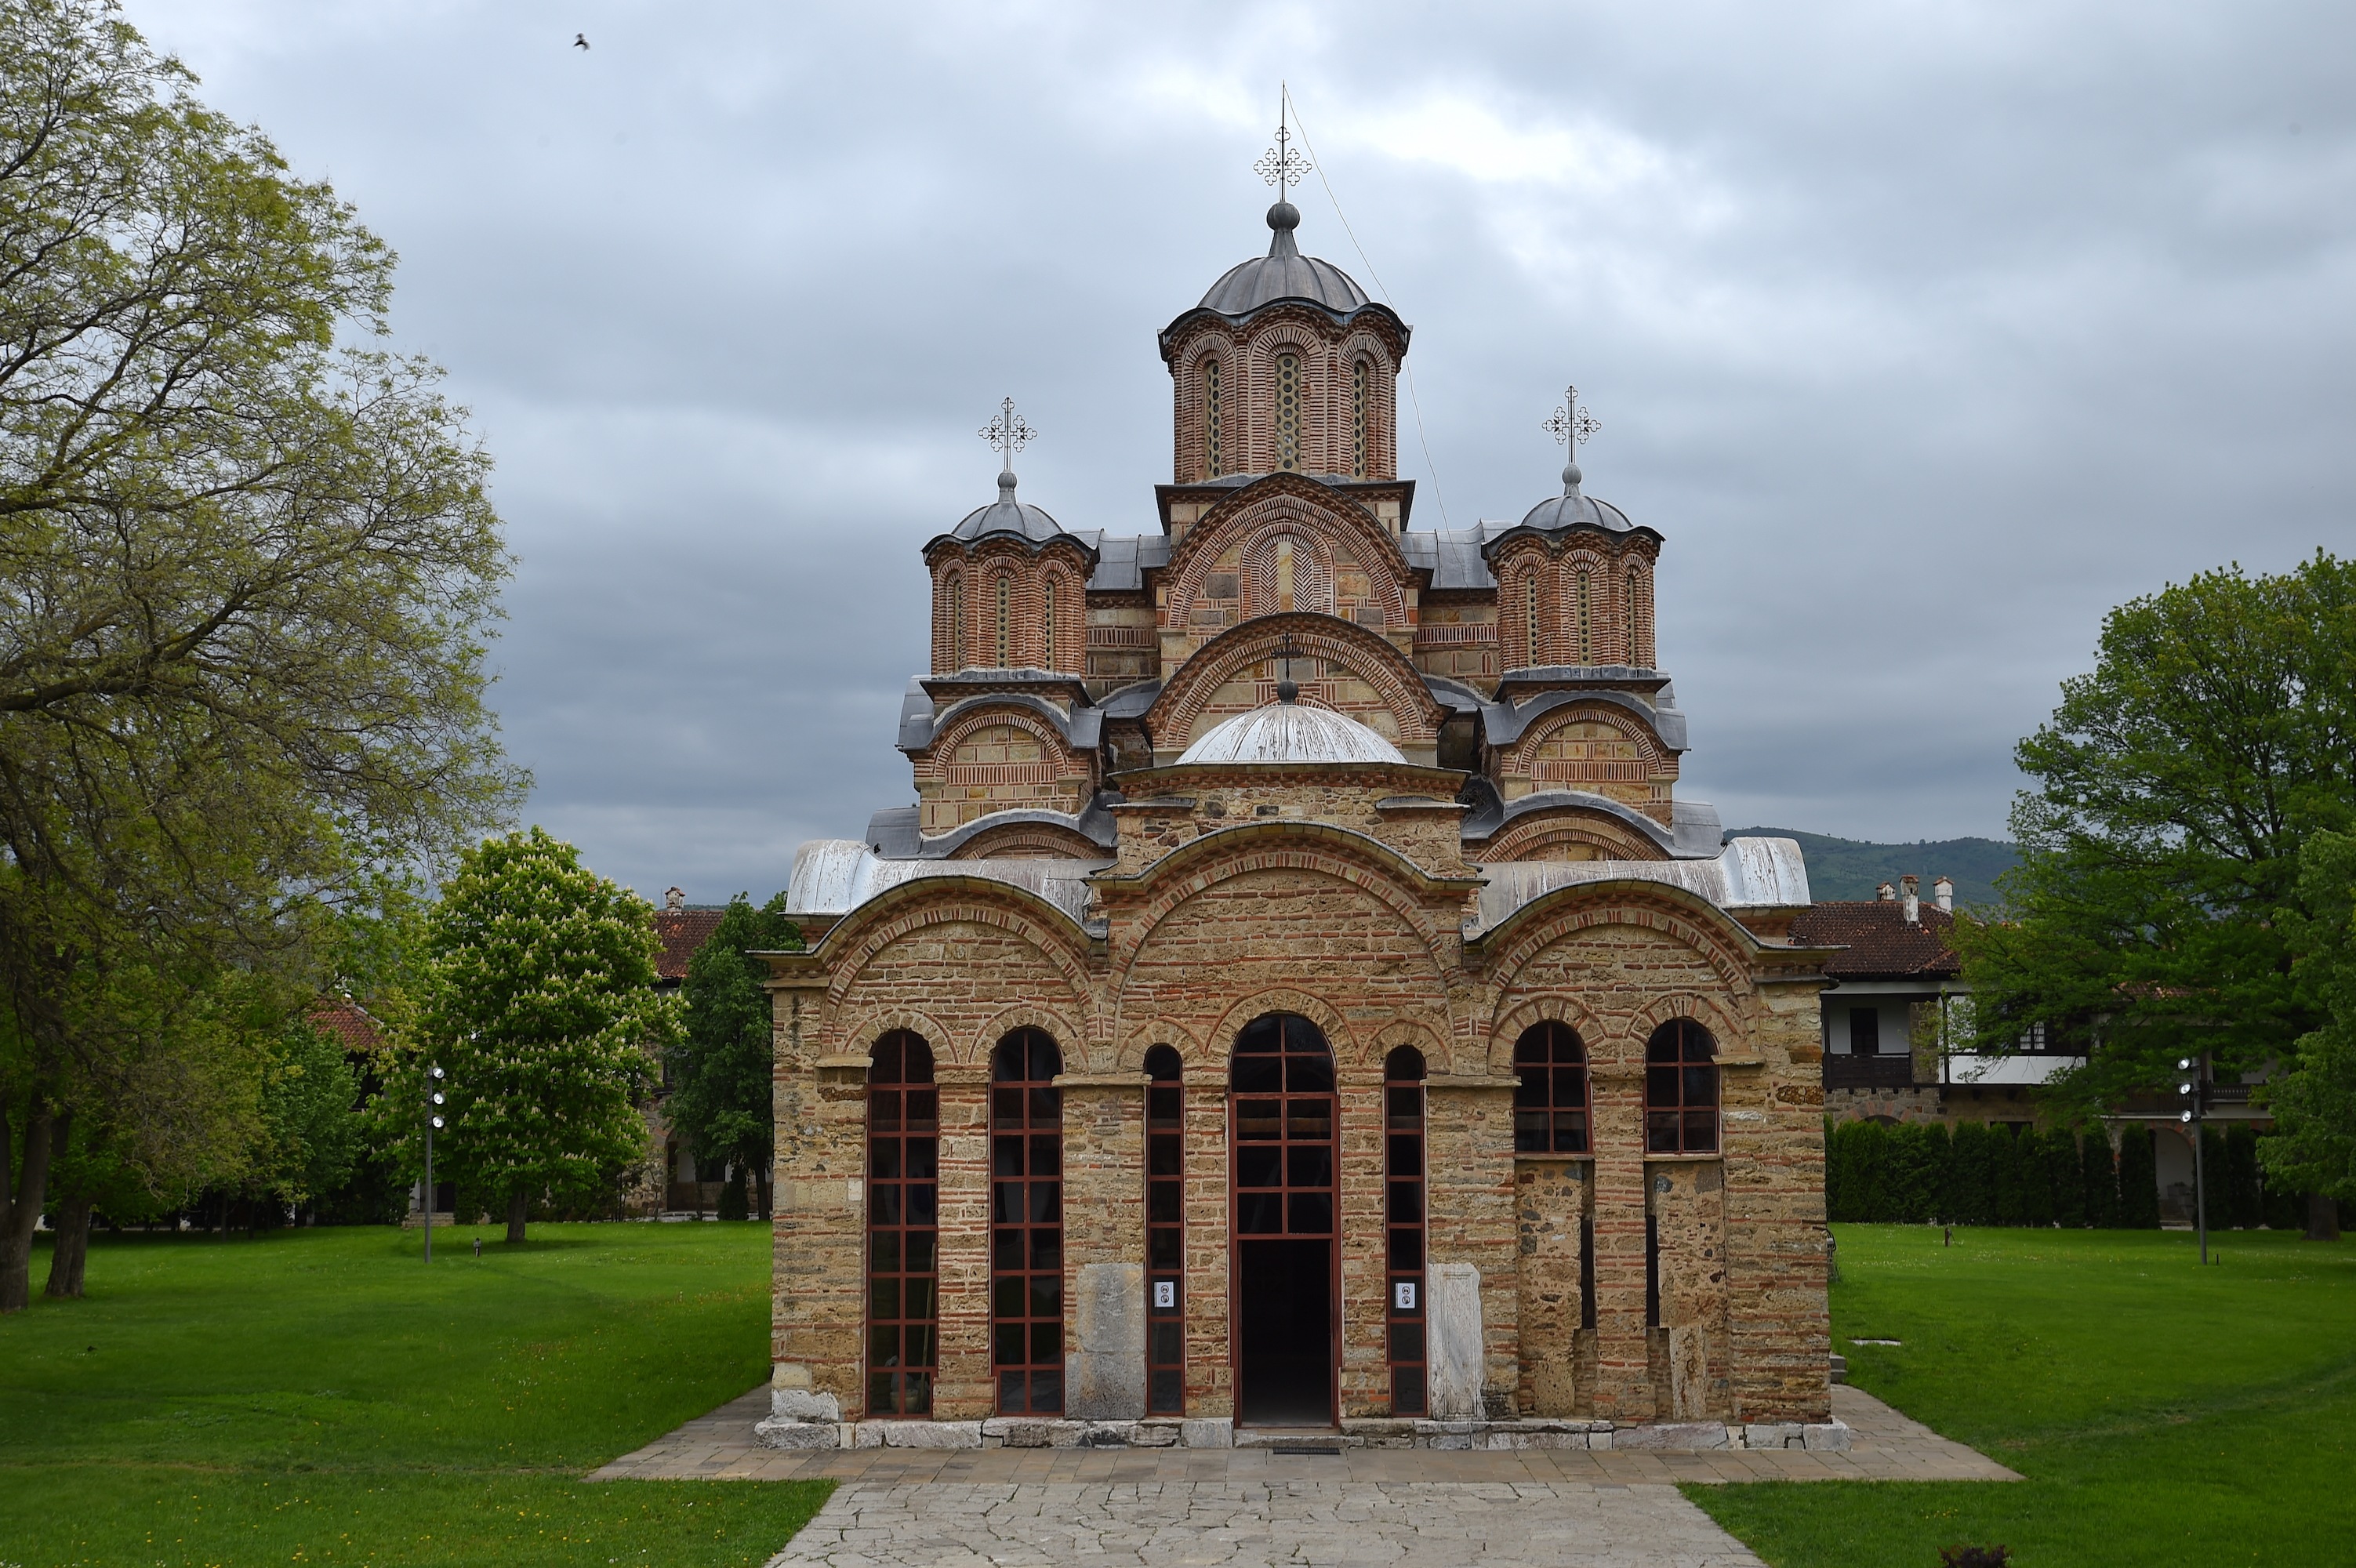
(1166, 1292)
(1403, 1297)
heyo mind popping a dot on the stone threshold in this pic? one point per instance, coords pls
(793, 1432)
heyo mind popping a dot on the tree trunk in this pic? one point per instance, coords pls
(23, 1206)
(2322, 1218)
(519, 1206)
(72, 1251)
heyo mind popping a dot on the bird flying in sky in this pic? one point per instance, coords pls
(580, 40)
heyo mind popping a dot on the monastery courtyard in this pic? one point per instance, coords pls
(1239, 1508)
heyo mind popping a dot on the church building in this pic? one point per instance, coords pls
(1297, 998)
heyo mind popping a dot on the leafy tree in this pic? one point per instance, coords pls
(540, 1005)
(250, 563)
(2160, 906)
(722, 1070)
(2314, 1145)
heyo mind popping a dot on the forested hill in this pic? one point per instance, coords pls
(1847, 868)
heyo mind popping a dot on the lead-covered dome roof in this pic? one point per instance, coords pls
(1284, 273)
(1008, 516)
(1287, 732)
(1571, 509)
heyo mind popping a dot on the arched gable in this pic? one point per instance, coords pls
(1567, 832)
(1029, 840)
(1372, 576)
(1018, 918)
(1226, 675)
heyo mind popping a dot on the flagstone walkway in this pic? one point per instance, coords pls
(1242, 1507)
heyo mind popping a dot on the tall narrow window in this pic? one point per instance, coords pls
(1165, 1236)
(1651, 1270)
(955, 588)
(1586, 1269)
(1359, 419)
(1005, 611)
(1288, 412)
(1211, 417)
(902, 1211)
(1680, 1090)
(1026, 1224)
(1638, 654)
(1403, 1173)
(1551, 1098)
(1530, 614)
(1047, 626)
(1586, 638)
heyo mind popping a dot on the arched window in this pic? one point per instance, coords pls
(1551, 1098)
(1531, 655)
(1358, 394)
(1287, 410)
(903, 1214)
(1005, 621)
(1165, 1235)
(1586, 635)
(1026, 1224)
(953, 588)
(1403, 1175)
(1680, 1090)
(1047, 626)
(1211, 412)
(1637, 652)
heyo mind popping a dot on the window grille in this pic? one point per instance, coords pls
(1165, 1235)
(1403, 1171)
(1550, 1105)
(1005, 603)
(1680, 1090)
(1211, 417)
(1359, 419)
(1026, 1224)
(903, 1214)
(1288, 412)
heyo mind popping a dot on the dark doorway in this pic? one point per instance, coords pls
(1284, 1181)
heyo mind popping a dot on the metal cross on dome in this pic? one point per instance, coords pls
(1280, 165)
(1571, 424)
(1007, 433)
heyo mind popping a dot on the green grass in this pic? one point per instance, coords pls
(2161, 1413)
(323, 1397)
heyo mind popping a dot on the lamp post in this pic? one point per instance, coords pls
(2194, 1091)
(435, 1077)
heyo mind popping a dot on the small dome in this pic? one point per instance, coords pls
(1007, 515)
(1571, 509)
(1284, 273)
(1287, 732)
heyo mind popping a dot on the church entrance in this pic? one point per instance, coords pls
(1284, 1188)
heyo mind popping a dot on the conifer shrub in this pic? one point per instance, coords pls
(2138, 1181)
(2098, 1173)
(2245, 1199)
(2063, 1179)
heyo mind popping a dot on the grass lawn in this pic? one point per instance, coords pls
(323, 1397)
(2162, 1413)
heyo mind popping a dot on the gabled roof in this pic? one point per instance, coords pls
(681, 931)
(344, 1019)
(1881, 945)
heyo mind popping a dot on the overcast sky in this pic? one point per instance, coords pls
(1924, 333)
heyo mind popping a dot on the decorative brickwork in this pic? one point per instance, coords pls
(1418, 1230)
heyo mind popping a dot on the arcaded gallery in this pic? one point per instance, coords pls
(1293, 997)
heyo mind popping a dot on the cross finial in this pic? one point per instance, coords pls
(1280, 165)
(1571, 425)
(1008, 435)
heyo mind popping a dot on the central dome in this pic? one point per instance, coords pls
(1008, 515)
(1287, 732)
(1284, 273)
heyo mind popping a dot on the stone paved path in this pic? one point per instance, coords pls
(1242, 1507)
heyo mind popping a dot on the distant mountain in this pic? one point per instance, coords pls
(1847, 868)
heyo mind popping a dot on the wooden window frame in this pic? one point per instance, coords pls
(1553, 1097)
(902, 1250)
(1165, 1233)
(1027, 1225)
(1405, 1339)
(1681, 1090)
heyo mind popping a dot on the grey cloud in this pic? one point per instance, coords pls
(1926, 334)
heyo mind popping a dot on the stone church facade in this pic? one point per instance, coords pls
(1297, 997)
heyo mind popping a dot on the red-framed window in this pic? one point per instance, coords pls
(1165, 1234)
(903, 1218)
(1403, 1229)
(1550, 1108)
(1026, 1224)
(1681, 1090)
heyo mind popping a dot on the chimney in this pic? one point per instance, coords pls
(1909, 898)
(1943, 893)
(1885, 893)
(675, 899)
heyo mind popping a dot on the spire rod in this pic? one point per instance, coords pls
(1282, 168)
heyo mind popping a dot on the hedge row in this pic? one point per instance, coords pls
(1995, 1174)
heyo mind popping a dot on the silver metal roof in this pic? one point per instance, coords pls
(1008, 516)
(1573, 510)
(1287, 732)
(1284, 273)
(1122, 562)
(1748, 874)
(1452, 556)
(834, 877)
